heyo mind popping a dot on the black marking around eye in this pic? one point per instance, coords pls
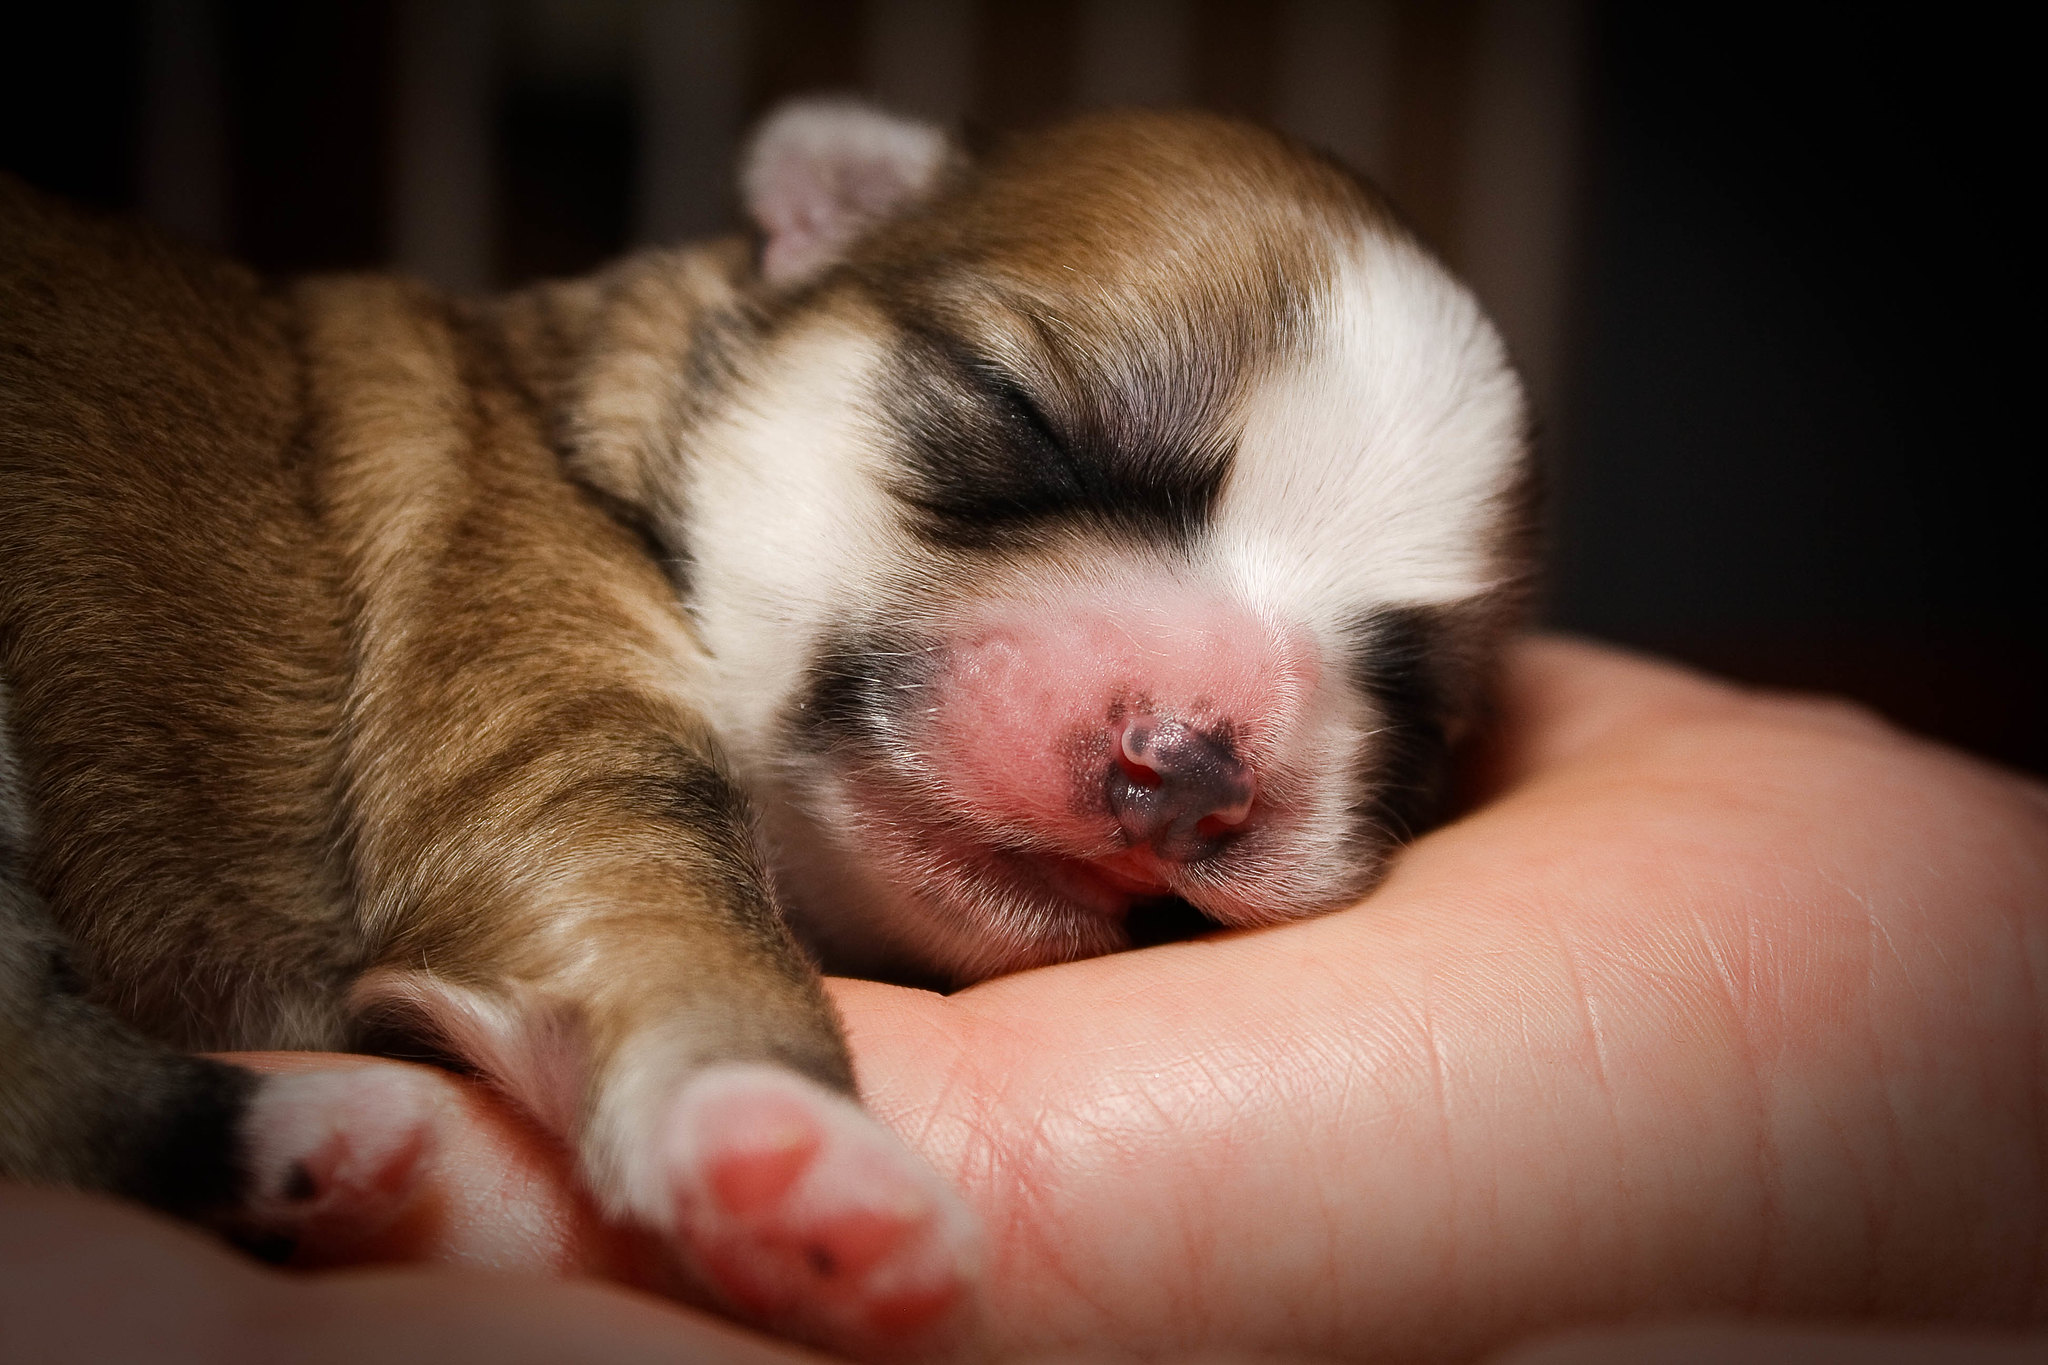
(1397, 660)
(986, 468)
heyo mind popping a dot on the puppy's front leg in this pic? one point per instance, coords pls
(653, 1012)
(556, 876)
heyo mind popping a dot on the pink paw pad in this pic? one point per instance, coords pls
(813, 1219)
(335, 1156)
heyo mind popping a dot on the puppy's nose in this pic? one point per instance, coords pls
(1175, 788)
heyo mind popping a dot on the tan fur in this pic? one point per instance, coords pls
(322, 663)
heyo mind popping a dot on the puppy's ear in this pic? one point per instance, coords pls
(819, 173)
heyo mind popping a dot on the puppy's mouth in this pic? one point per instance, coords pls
(1134, 892)
(1145, 908)
(1071, 906)
(1107, 886)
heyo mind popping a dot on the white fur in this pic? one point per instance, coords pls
(789, 522)
(359, 1136)
(533, 1053)
(1370, 470)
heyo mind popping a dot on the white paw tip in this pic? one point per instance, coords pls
(810, 1217)
(339, 1143)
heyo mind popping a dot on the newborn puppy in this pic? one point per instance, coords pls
(1117, 529)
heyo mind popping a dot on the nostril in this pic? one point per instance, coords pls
(1133, 738)
(1176, 789)
(1139, 773)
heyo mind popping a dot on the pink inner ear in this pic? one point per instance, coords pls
(823, 208)
(820, 175)
(805, 222)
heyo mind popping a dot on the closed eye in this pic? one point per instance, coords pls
(986, 468)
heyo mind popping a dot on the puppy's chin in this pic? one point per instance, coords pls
(880, 888)
(884, 884)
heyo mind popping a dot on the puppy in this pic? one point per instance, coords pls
(1115, 530)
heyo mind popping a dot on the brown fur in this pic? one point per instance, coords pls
(169, 622)
(322, 664)
(1043, 248)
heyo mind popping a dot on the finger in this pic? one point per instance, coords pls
(88, 1282)
(1559, 700)
(1778, 1344)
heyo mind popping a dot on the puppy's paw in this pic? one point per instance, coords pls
(335, 1157)
(812, 1219)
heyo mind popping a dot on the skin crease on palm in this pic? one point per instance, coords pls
(1714, 1003)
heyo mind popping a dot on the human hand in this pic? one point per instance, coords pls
(85, 1281)
(1716, 1002)
(1719, 1002)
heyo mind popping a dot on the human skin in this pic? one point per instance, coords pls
(1714, 1002)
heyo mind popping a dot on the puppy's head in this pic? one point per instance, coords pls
(1125, 519)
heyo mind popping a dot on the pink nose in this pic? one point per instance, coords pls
(1175, 788)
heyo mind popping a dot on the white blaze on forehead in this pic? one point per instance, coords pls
(1374, 458)
(789, 521)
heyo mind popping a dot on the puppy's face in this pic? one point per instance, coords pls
(1122, 523)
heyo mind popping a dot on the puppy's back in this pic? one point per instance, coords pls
(184, 686)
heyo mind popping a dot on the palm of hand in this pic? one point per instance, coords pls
(1715, 1003)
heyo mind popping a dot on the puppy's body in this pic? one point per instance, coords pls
(1128, 519)
(340, 706)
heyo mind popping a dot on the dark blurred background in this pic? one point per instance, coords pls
(1762, 265)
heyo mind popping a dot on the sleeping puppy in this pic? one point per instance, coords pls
(1112, 533)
